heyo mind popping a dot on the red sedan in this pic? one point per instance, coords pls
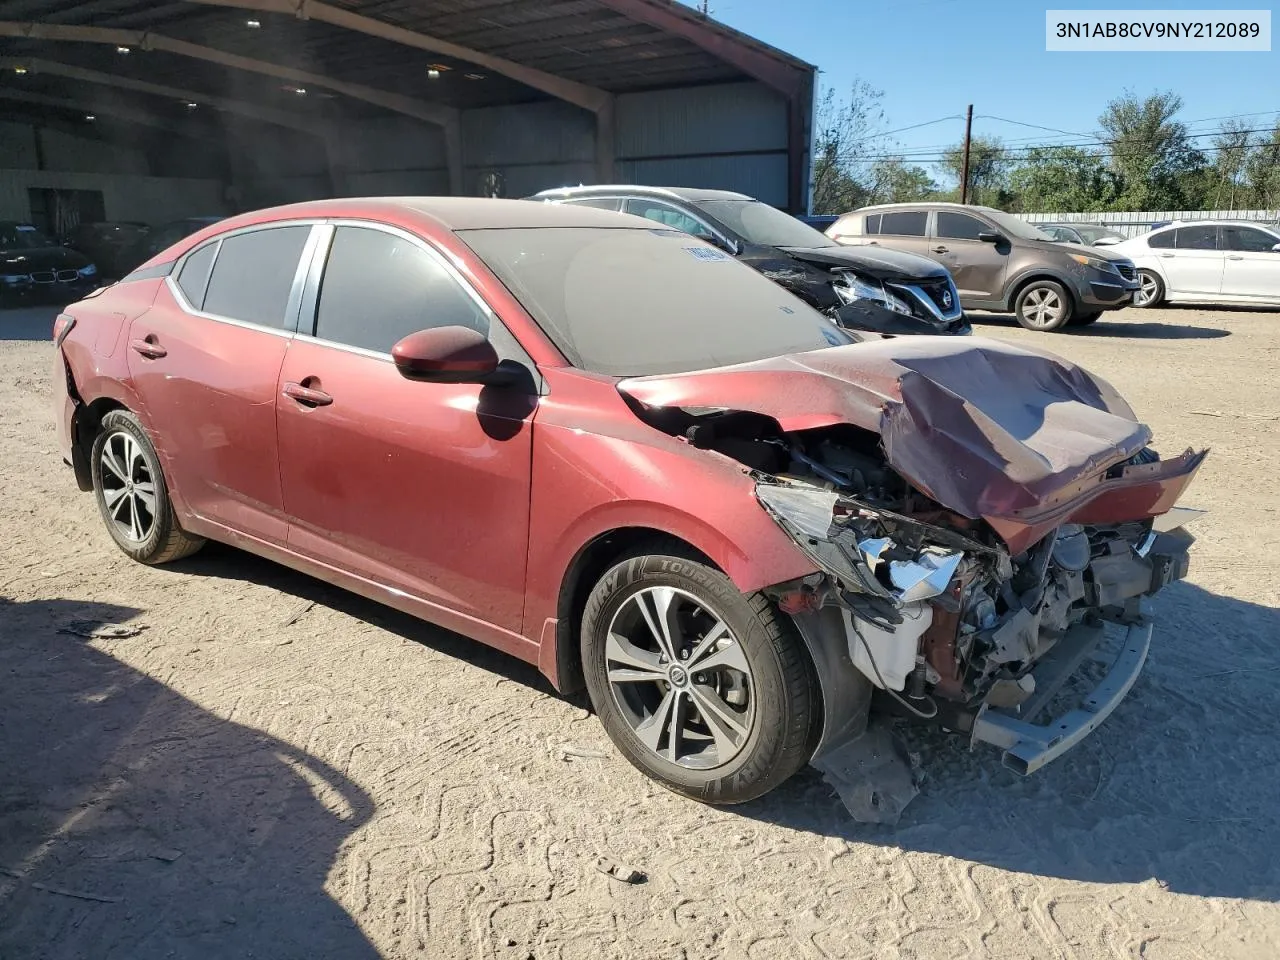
(612, 451)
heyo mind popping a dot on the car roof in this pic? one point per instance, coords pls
(690, 194)
(451, 213)
(946, 204)
(1220, 223)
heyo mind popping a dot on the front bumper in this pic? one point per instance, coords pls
(1109, 294)
(1029, 746)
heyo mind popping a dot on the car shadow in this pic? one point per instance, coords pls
(134, 823)
(1139, 330)
(1177, 785)
(29, 323)
(230, 563)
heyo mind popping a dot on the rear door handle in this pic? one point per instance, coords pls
(307, 396)
(1234, 257)
(873, 243)
(148, 347)
(939, 249)
(1166, 255)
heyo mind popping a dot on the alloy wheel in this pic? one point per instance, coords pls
(1043, 307)
(1147, 290)
(128, 488)
(680, 678)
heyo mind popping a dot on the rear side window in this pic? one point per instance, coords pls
(909, 223)
(1161, 241)
(600, 203)
(1197, 238)
(960, 226)
(379, 287)
(194, 276)
(254, 275)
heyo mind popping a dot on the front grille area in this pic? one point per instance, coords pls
(44, 276)
(1127, 271)
(939, 291)
(66, 276)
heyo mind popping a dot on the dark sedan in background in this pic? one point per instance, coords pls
(35, 268)
(883, 291)
(109, 244)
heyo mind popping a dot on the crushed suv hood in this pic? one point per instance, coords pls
(883, 264)
(987, 429)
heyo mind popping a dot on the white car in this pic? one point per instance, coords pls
(1207, 261)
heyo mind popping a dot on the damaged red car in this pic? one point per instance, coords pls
(613, 452)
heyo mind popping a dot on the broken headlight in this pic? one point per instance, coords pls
(851, 289)
(850, 543)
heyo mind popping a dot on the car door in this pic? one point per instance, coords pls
(1194, 266)
(901, 230)
(978, 268)
(1252, 266)
(420, 487)
(205, 360)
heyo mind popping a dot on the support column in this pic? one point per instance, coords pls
(605, 143)
(453, 155)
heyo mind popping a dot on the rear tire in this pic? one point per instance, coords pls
(1150, 291)
(133, 499)
(1043, 306)
(1084, 319)
(723, 711)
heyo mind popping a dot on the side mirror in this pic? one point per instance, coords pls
(991, 236)
(446, 355)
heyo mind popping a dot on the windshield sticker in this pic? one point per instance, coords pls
(709, 254)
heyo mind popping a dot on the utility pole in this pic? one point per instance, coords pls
(968, 136)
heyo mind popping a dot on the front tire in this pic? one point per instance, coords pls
(705, 690)
(132, 496)
(1150, 292)
(1043, 306)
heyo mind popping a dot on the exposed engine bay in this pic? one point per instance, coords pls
(938, 613)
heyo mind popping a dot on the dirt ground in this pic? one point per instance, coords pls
(225, 759)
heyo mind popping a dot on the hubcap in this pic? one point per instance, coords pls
(128, 488)
(1043, 307)
(680, 678)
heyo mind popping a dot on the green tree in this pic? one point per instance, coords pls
(989, 165)
(1151, 155)
(1062, 179)
(893, 180)
(1225, 185)
(1262, 172)
(847, 135)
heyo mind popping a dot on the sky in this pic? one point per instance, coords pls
(934, 57)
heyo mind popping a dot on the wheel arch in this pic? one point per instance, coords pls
(1014, 288)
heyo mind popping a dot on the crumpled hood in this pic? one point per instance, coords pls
(878, 262)
(984, 428)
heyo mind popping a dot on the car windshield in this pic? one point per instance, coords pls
(633, 302)
(22, 236)
(1094, 234)
(760, 223)
(1014, 226)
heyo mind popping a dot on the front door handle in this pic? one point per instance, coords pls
(148, 347)
(1166, 255)
(939, 249)
(1234, 257)
(873, 243)
(307, 396)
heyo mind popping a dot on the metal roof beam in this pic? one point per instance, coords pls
(278, 118)
(579, 94)
(144, 40)
(773, 71)
(115, 111)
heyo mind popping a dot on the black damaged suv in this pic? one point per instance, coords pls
(884, 291)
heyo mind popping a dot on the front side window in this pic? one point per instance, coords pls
(379, 287)
(667, 215)
(1248, 240)
(253, 275)
(194, 276)
(1203, 237)
(908, 223)
(631, 302)
(961, 226)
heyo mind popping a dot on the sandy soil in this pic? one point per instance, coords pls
(246, 763)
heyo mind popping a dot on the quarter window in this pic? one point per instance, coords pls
(379, 287)
(253, 276)
(909, 223)
(1248, 240)
(1204, 237)
(195, 274)
(872, 223)
(667, 215)
(600, 203)
(960, 226)
(1161, 241)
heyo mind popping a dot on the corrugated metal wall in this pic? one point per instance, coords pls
(125, 196)
(529, 147)
(1133, 224)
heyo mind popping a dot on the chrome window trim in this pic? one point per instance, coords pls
(291, 307)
